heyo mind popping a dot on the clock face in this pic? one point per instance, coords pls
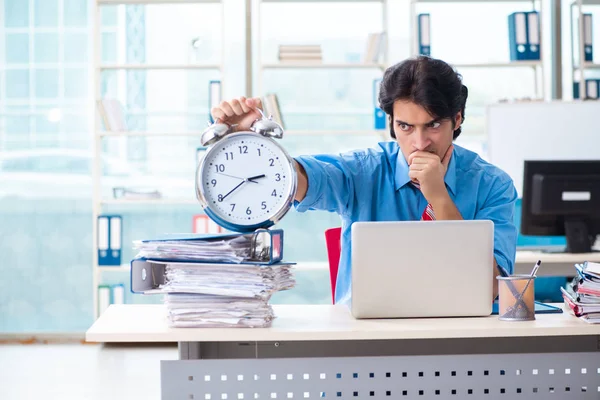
(247, 179)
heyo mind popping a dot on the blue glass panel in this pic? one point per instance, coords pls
(109, 16)
(16, 13)
(44, 126)
(17, 48)
(46, 83)
(17, 84)
(75, 12)
(17, 125)
(45, 47)
(75, 82)
(76, 47)
(45, 13)
(109, 47)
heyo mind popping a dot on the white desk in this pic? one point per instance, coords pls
(321, 351)
(553, 264)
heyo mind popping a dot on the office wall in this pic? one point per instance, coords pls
(554, 130)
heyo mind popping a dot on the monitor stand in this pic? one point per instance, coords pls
(579, 239)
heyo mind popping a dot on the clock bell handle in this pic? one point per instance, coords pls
(214, 132)
(267, 127)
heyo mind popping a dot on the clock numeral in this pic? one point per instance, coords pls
(258, 152)
(232, 206)
(274, 194)
(277, 177)
(229, 155)
(271, 162)
(220, 167)
(243, 149)
(220, 197)
(214, 182)
(263, 205)
(248, 211)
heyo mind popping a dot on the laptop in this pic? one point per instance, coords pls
(412, 269)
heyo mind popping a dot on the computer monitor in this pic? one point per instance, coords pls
(562, 198)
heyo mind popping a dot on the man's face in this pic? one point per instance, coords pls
(416, 130)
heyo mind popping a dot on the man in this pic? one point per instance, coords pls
(422, 175)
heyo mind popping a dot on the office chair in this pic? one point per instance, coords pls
(334, 247)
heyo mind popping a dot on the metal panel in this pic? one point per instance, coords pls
(514, 376)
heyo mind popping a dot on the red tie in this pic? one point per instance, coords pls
(428, 214)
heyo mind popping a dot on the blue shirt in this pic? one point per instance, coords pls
(373, 185)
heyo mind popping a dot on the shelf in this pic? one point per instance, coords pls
(313, 132)
(114, 268)
(508, 64)
(315, 65)
(322, 1)
(150, 201)
(149, 2)
(587, 3)
(474, 1)
(588, 65)
(147, 134)
(158, 66)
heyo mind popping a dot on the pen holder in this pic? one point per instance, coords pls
(517, 300)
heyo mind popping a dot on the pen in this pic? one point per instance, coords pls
(536, 267)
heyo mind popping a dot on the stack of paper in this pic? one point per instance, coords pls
(583, 295)
(221, 280)
(223, 295)
(198, 310)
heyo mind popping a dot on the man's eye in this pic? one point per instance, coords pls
(404, 127)
(435, 125)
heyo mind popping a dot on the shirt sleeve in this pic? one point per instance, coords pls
(500, 208)
(331, 182)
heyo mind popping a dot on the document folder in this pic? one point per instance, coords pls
(263, 246)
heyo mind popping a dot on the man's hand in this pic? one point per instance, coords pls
(428, 171)
(241, 112)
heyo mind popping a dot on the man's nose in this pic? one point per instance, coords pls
(421, 140)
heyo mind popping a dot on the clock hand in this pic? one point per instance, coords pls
(237, 177)
(231, 176)
(251, 179)
(232, 190)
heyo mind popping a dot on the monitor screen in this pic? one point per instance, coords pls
(562, 198)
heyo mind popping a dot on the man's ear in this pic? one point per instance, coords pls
(457, 120)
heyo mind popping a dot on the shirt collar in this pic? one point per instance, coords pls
(401, 176)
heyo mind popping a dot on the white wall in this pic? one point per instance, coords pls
(541, 131)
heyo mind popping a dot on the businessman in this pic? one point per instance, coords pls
(421, 175)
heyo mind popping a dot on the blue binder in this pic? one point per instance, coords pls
(517, 31)
(588, 45)
(378, 113)
(147, 275)
(591, 90)
(533, 36)
(424, 27)
(263, 246)
(109, 240)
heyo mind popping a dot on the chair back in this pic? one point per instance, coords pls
(334, 247)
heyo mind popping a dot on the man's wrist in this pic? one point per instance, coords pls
(441, 201)
(445, 209)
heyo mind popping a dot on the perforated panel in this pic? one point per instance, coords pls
(506, 376)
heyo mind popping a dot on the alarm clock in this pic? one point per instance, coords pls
(246, 180)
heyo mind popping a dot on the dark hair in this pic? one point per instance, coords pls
(425, 81)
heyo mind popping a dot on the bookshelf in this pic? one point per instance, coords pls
(537, 66)
(322, 64)
(578, 72)
(99, 135)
